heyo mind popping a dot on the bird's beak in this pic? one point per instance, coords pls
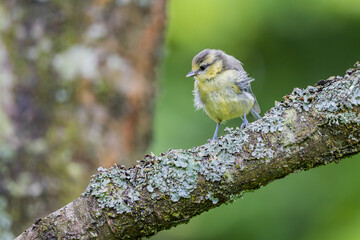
(191, 74)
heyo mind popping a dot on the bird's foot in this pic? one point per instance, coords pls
(212, 139)
(245, 122)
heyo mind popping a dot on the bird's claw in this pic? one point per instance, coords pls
(212, 139)
(244, 124)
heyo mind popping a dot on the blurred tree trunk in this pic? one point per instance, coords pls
(77, 86)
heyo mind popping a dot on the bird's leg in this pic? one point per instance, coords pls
(216, 132)
(245, 122)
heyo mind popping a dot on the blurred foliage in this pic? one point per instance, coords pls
(283, 45)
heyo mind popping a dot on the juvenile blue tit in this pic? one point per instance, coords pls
(222, 87)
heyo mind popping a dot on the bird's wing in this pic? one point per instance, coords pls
(243, 82)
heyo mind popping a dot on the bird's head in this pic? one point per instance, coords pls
(207, 64)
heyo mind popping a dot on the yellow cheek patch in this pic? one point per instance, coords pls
(214, 69)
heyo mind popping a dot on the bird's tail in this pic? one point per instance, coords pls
(255, 114)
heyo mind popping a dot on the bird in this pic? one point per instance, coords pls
(222, 88)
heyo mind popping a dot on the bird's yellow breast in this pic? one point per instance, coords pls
(222, 99)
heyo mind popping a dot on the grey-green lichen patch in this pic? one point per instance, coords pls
(343, 118)
(234, 141)
(299, 100)
(215, 167)
(355, 99)
(273, 121)
(302, 98)
(330, 98)
(221, 155)
(174, 174)
(260, 151)
(108, 187)
(340, 94)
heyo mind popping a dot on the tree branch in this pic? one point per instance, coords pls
(311, 127)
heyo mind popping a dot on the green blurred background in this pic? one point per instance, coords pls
(283, 45)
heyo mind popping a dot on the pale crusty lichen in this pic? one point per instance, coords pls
(261, 151)
(174, 174)
(273, 121)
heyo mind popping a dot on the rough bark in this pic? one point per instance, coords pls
(311, 127)
(77, 85)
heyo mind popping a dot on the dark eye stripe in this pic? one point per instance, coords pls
(204, 66)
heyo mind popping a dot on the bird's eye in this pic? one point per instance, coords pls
(203, 67)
